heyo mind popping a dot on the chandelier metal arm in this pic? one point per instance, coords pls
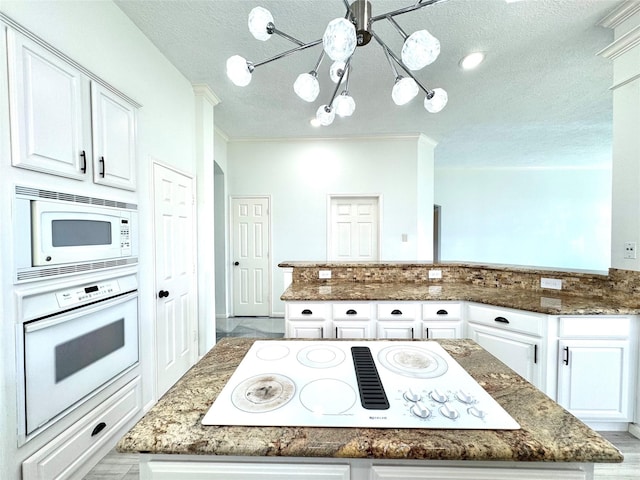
(349, 14)
(399, 62)
(289, 52)
(338, 83)
(397, 27)
(400, 11)
(271, 29)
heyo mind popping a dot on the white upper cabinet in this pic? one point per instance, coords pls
(64, 122)
(48, 112)
(114, 139)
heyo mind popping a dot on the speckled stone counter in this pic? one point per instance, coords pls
(547, 302)
(548, 433)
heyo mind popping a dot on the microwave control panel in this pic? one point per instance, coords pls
(125, 236)
(77, 295)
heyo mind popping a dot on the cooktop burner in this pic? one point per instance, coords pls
(380, 384)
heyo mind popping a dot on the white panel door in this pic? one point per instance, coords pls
(250, 256)
(176, 323)
(353, 229)
(48, 110)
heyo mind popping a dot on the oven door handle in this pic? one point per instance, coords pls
(66, 315)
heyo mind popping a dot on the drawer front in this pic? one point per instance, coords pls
(595, 326)
(513, 320)
(67, 453)
(441, 311)
(351, 311)
(308, 311)
(398, 311)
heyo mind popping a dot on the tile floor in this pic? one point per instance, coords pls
(117, 466)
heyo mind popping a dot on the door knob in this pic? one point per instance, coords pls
(236, 263)
(163, 293)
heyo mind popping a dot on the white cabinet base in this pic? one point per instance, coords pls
(198, 467)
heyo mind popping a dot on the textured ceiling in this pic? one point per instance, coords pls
(541, 97)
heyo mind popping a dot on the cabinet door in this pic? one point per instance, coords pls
(303, 329)
(48, 110)
(114, 139)
(518, 352)
(170, 470)
(404, 330)
(594, 379)
(352, 329)
(435, 330)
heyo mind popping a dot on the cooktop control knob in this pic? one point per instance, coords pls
(448, 411)
(476, 412)
(438, 396)
(464, 397)
(419, 409)
(411, 395)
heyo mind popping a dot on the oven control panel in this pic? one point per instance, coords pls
(77, 295)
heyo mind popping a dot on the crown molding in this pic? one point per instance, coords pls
(621, 45)
(622, 13)
(205, 91)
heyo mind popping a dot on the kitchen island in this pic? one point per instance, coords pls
(550, 443)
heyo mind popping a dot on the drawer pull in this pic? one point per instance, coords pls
(396, 312)
(501, 320)
(306, 311)
(351, 311)
(98, 428)
(565, 356)
(442, 312)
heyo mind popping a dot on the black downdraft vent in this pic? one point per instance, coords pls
(372, 394)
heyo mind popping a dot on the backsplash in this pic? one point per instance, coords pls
(497, 276)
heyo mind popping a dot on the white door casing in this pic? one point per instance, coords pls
(176, 322)
(353, 228)
(250, 240)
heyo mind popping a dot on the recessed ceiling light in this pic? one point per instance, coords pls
(472, 60)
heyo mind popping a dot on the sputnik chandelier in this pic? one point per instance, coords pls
(339, 41)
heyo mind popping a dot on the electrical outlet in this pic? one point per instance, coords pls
(552, 283)
(435, 273)
(326, 274)
(630, 250)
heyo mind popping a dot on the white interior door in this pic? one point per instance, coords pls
(353, 229)
(176, 325)
(250, 256)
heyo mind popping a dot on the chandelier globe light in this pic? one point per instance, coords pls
(339, 42)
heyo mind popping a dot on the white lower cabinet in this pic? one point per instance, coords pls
(352, 320)
(399, 320)
(67, 455)
(308, 320)
(515, 337)
(355, 469)
(161, 470)
(442, 320)
(595, 368)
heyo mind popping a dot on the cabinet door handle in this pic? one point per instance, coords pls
(98, 428)
(412, 333)
(83, 155)
(565, 356)
(442, 312)
(426, 330)
(104, 167)
(306, 311)
(336, 332)
(351, 311)
(501, 320)
(535, 353)
(396, 312)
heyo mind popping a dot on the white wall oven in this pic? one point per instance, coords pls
(59, 234)
(73, 341)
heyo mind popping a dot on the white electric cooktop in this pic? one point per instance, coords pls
(371, 384)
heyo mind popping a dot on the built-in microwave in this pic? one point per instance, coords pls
(58, 234)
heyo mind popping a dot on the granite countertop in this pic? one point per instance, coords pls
(549, 433)
(522, 299)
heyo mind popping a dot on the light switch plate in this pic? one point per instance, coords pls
(435, 273)
(326, 274)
